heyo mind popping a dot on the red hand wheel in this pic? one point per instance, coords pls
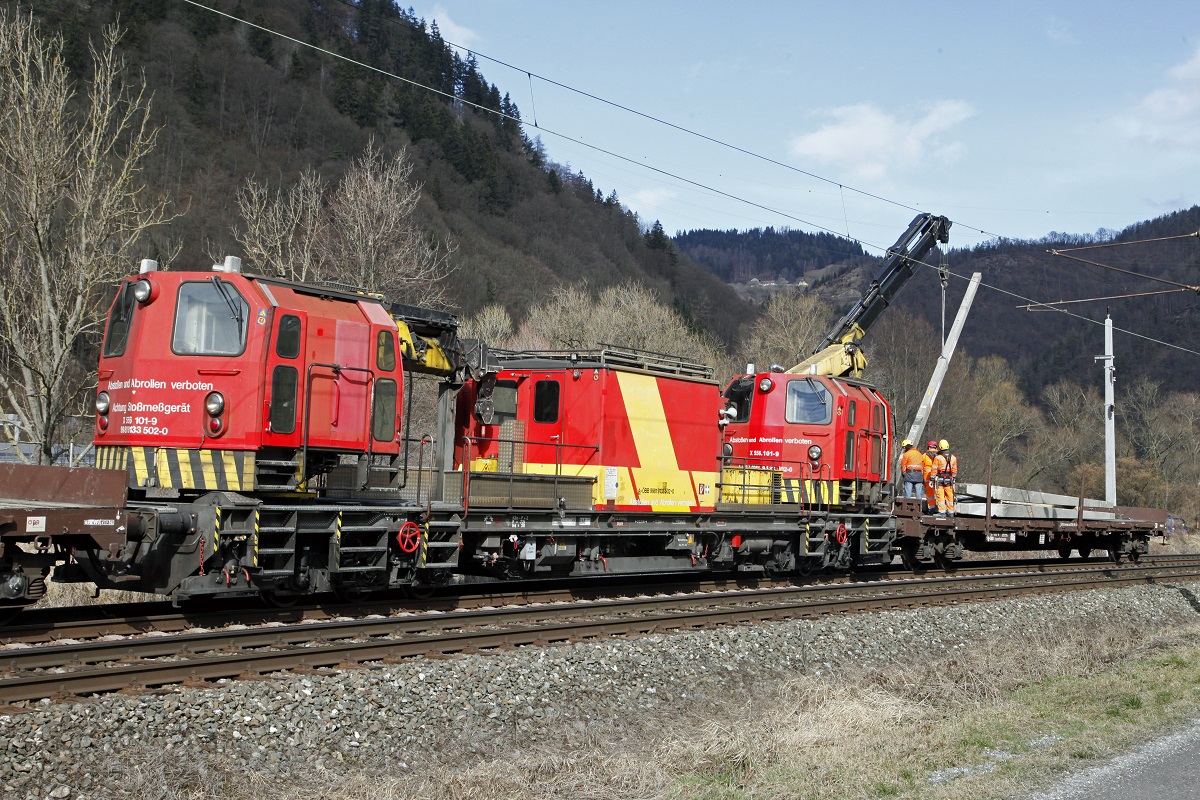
(409, 537)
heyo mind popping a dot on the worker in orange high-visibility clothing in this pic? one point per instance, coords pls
(945, 469)
(927, 471)
(912, 469)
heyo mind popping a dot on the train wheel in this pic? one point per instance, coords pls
(279, 600)
(423, 583)
(351, 594)
(908, 554)
(422, 592)
(1064, 552)
(1085, 552)
(1114, 554)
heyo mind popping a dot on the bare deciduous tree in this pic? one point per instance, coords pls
(72, 207)
(282, 229)
(363, 233)
(628, 315)
(786, 333)
(492, 325)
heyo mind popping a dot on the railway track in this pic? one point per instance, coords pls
(72, 669)
(80, 623)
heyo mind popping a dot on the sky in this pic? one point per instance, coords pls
(1014, 119)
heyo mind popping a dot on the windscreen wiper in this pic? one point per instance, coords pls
(234, 308)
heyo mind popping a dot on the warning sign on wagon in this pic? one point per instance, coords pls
(35, 524)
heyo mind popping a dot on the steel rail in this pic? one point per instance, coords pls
(466, 635)
(91, 622)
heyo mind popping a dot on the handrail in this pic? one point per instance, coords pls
(805, 472)
(471, 443)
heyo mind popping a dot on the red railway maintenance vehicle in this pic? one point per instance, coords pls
(257, 436)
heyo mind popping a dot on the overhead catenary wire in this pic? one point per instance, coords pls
(1071, 314)
(1168, 281)
(1048, 306)
(1194, 235)
(688, 181)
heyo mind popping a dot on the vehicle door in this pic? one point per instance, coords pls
(544, 420)
(285, 399)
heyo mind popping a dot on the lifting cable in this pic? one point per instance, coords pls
(944, 277)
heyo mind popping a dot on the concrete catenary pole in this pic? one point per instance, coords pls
(1108, 360)
(943, 362)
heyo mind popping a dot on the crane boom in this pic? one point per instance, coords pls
(839, 353)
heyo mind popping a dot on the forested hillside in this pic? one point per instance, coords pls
(765, 253)
(234, 102)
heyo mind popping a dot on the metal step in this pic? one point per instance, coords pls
(345, 550)
(276, 551)
(375, 568)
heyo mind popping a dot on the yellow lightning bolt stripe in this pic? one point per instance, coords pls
(647, 420)
(652, 438)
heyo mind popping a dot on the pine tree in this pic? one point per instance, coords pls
(261, 43)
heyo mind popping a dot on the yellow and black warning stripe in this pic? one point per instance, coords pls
(337, 541)
(112, 457)
(171, 468)
(254, 543)
(808, 492)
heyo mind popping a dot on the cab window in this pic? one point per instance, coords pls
(545, 401)
(210, 319)
(739, 395)
(385, 351)
(383, 424)
(287, 341)
(119, 321)
(808, 403)
(285, 381)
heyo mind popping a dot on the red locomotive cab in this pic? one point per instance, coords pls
(225, 381)
(813, 440)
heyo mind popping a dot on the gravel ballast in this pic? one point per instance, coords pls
(458, 710)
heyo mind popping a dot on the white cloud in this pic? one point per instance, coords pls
(1169, 117)
(451, 30)
(871, 143)
(1061, 31)
(649, 202)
